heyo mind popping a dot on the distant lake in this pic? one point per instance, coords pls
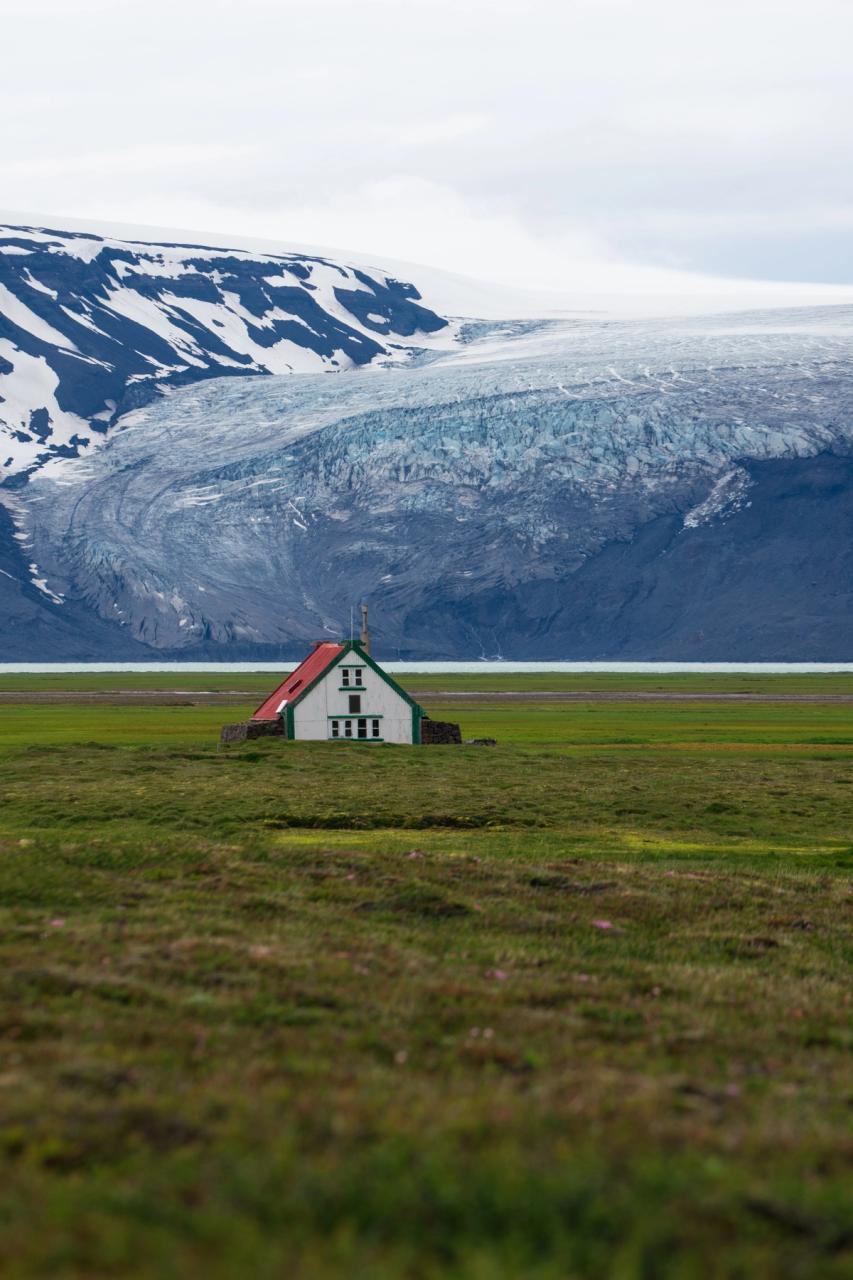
(441, 668)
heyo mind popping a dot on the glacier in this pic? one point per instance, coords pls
(587, 487)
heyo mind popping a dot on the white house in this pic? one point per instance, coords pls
(339, 693)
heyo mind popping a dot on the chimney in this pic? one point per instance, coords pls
(365, 634)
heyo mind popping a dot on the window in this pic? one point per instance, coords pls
(345, 676)
(362, 728)
(336, 729)
(354, 703)
(357, 674)
(348, 728)
(375, 728)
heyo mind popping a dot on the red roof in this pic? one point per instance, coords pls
(320, 657)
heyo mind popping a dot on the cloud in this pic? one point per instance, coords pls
(430, 132)
(510, 135)
(409, 225)
(140, 161)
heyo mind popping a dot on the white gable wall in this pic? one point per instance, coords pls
(311, 716)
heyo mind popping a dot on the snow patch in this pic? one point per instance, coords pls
(726, 497)
(41, 584)
(19, 313)
(31, 386)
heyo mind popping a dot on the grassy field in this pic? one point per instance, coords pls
(260, 682)
(574, 1006)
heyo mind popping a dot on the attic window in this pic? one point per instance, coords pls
(293, 686)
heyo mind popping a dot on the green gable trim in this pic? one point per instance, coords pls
(355, 647)
(302, 692)
(362, 659)
(289, 729)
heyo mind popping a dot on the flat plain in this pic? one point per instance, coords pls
(576, 1005)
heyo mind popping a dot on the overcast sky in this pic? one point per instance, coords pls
(603, 143)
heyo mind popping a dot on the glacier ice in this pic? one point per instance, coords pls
(477, 483)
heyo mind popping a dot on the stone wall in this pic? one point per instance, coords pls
(246, 729)
(433, 732)
(439, 732)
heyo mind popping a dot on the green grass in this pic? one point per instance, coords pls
(260, 682)
(302, 1010)
(573, 723)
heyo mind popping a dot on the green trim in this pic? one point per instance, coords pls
(348, 645)
(353, 715)
(342, 739)
(355, 647)
(289, 728)
(302, 692)
(364, 659)
(350, 688)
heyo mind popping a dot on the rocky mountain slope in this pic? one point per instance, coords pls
(91, 327)
(588, 489)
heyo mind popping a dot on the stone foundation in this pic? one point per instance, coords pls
(439, 732)
(247, 729)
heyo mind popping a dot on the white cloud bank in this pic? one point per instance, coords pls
(590, 147)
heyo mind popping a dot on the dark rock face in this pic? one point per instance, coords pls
(768, 582)
(771, 581)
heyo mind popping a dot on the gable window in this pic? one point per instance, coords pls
(358, 674)
(345, 675)
(336, 728)
(374, 724)
(354, 703)
(352, 677)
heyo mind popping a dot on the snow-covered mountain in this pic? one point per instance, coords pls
(92, 327)
(587, 487)
(598, 488)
